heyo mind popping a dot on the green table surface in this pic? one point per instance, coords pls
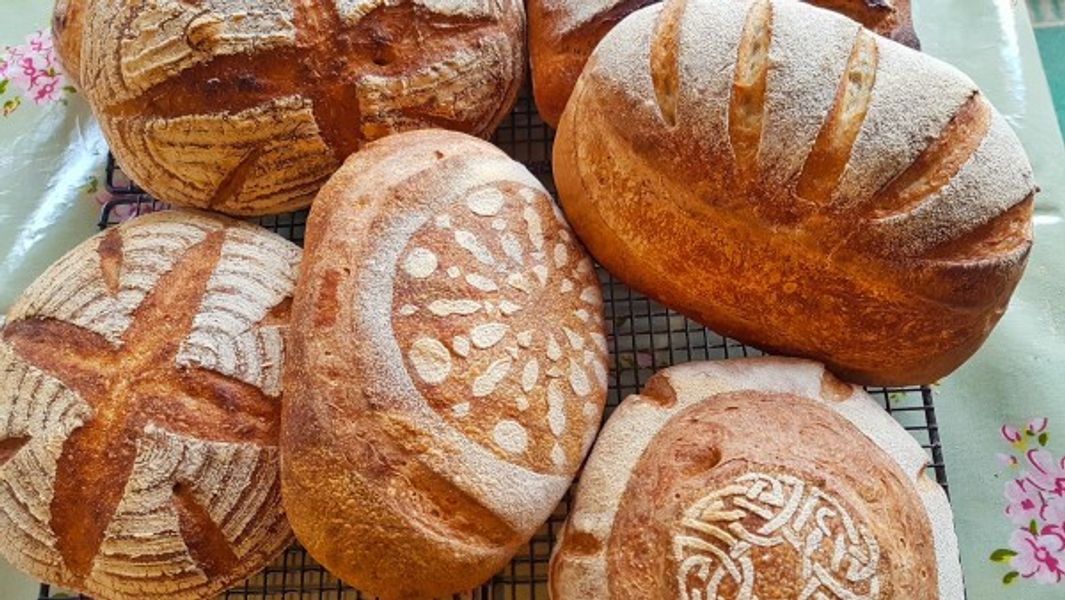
(50, 153)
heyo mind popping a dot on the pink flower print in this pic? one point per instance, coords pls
(1025, 502)
(1037, 425)
(1047, 474)
(40, 42)
(31, 70)
(1053, 512)
(1040, 557)
(35, 76)
(1011, 435)
(48, 92)
(26, 72)
(1007, 460)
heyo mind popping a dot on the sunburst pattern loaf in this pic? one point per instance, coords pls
(755, 478)
(447, 368)
(791, 180)
(563, 33)
(140, 406)
(247, 108)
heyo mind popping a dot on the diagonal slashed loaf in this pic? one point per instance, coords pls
(140, 384)
(563, 33)
(798, 183)
(755, 478)
(247, 107)
(447, 368)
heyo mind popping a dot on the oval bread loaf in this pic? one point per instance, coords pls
(247, 108)
(140, 384)
(796, 182)
(448, 366)
(563, 33)
(755, 478)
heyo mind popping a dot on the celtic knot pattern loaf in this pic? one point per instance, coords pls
(448, 366)
(247, 108)
(791, 180)
(563, 33)
(139, 410)
(755, 478)
(722, 533)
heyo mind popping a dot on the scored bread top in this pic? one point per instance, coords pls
(755, 478)
(823, 171)
(248, 107)
(883, 16)
(448, 315)
(139, 410)
(563, 34)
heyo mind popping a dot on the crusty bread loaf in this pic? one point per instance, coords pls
(755, 478)
(563, 33)
(67, 21)
(791, 180)
(447, 368)
(140, 384)
(248, 107)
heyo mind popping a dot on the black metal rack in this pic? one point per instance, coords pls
(644, 337)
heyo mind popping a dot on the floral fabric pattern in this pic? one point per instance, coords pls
(31, 70)
(1035, 504)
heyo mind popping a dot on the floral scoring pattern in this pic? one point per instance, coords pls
(32, 70)
(1035, 503)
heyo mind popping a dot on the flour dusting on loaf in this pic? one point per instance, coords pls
(479, 377)
(755, 478)
(834, 194)
(139, 410)
(563, 34)
(246, 108)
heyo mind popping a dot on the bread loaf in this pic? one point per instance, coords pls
(447, 368)
(755, 478)
(248, 107)
(791, 180)
(67, 20)
(563, 33)
(139, 410)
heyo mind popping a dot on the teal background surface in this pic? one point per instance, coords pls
(1048, 20)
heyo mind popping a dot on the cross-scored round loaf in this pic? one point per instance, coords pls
(755, 478)
(140, 385)
(791, 180)
(447, 368)
(563, 34)
(248, 107)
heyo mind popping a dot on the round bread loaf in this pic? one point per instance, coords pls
(247, 108)
(447, 368)
(140, 385)
(563, 33)
(67, 21)
(791, 180)
(755, 478)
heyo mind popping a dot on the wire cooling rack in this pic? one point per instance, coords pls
(644, 337)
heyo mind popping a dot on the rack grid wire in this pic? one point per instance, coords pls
(644, 337)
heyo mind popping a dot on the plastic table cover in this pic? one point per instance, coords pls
(1001, 416)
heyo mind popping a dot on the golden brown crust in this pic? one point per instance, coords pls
(247, 107)
(563, 36)
(133, 394)
(449, 370)
(890, 18)
(716, 444)
(761, 478)
(819, 217)
(67, 23)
